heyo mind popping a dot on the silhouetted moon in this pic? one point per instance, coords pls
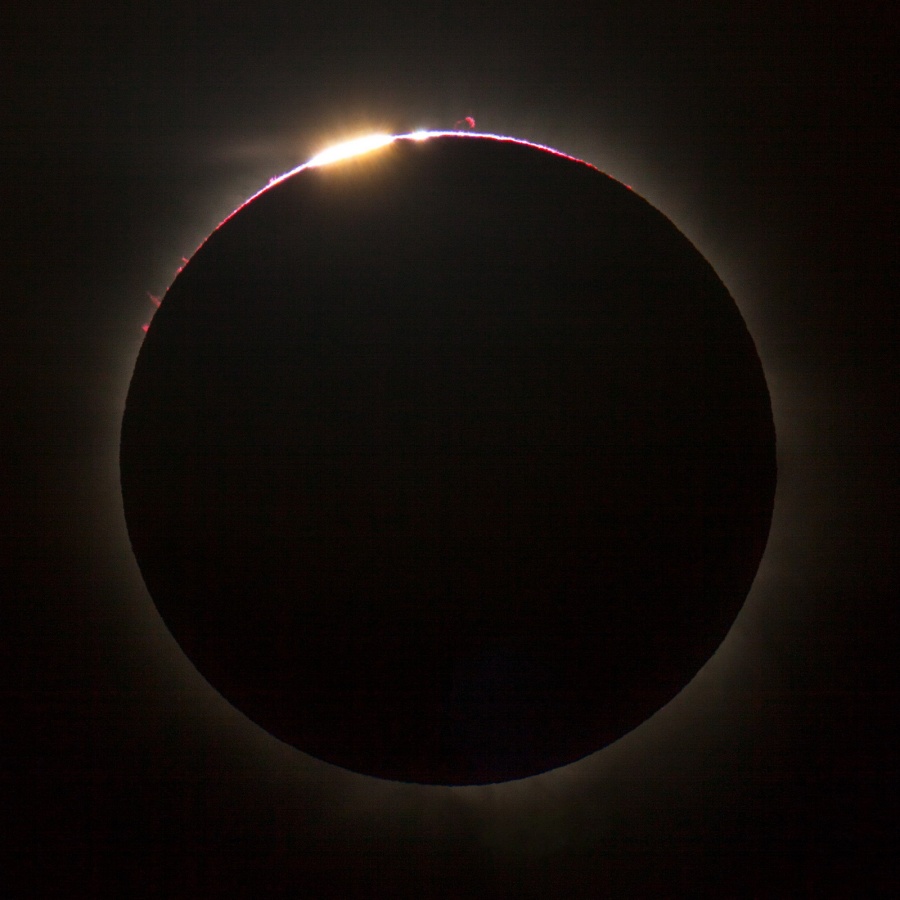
(450, 463)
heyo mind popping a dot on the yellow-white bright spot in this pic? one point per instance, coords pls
(351, 148)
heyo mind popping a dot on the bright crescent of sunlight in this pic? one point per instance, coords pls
(351, 148)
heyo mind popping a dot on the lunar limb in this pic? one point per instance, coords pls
(448, 493)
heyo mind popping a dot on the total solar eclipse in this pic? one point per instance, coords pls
(449, 462)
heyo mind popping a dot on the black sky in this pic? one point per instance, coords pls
(766, 134)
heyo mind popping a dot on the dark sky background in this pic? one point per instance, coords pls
(767, 134)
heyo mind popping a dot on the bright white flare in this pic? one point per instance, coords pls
(351, 148)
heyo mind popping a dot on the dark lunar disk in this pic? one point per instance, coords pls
(450, 463)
